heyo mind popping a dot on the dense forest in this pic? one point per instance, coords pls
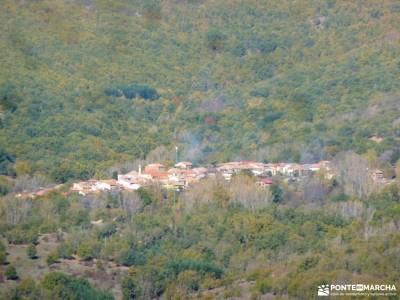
(86, 84)
(90, 88)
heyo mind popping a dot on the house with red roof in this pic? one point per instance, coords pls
(265, 182)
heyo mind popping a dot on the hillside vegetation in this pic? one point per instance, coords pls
(217, 241)
(88, 84)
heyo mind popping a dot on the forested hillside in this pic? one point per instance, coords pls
(218, 240)
(86, 84)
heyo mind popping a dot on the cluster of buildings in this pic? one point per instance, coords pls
(179, 177)
(289, 170)
(183, 174)
(95, 186)
(40, 192)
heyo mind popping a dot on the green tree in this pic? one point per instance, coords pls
(277, 193)
(145, 196)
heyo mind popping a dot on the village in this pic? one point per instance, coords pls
(184, 174)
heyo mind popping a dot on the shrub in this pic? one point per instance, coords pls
(201, 267)
(264, 72)
(215, 40)
(19, 236)
(340, 198)
(11, 273)
(233, 292)
(239, 50)
(130, 289)
(4, 188)
(376, 14)
(267, 44)
(308, 263)
(26, 289)
(189, 279)
(31, 251)
(263, 286)
(140, 91)
(3, 257)
(88, 251)
(112, 92)
(132, 257)
(6, 162)
(2, 247)
(61, 286)
(52, 258)
(99, 265)
(107, 231)
(260, 92)
(272, 241)
(65, 251)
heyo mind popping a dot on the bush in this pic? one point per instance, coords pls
(52, 258)
(65, 251)
(112, 92)
(3, 257)
(5, 188)
(239, 50)
(107, 231)
(88, 251)
(2, 247)
(31, 251)
(130, 289)
(264, 72)
(376, 14)
(267, 44)
(308, 263)
(233, 292)
(260, 92)
(11, 273)
(273, 241)
(140, 91)
(6, 163)
(201, 267)
(26, 289)
(215, 40)
(189, 279)
(132, 257)
(19, 236)
(61, 286)
(263, 286)
(340, 198)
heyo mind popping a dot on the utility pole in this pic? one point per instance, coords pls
(176, 154)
